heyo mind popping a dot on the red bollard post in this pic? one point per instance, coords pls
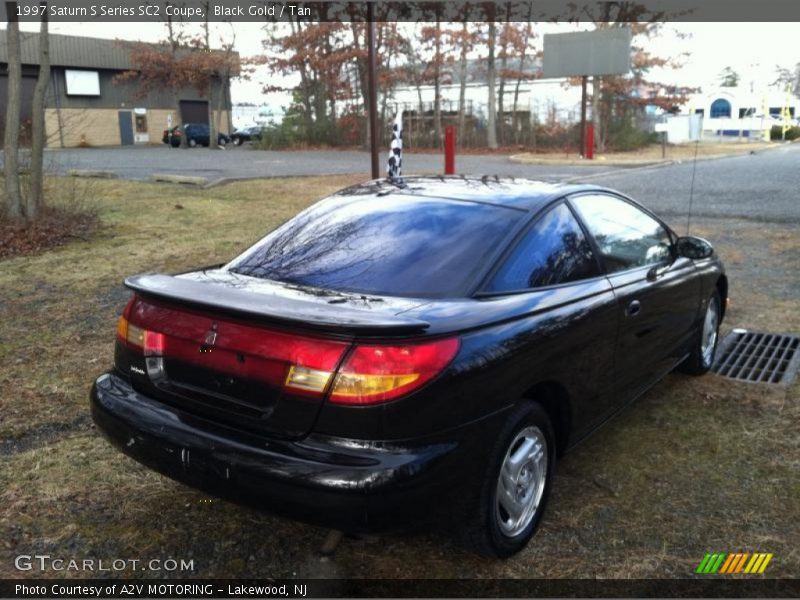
(449, 150)
(589, 150)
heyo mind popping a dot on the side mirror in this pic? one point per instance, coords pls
(693, 247)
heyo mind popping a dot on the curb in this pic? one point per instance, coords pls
(92, 173)
(517, 158)
(185, 179)
(686, 161)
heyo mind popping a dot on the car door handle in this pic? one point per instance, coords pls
(633, 309)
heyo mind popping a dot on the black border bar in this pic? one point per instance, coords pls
(710, 587)
(265, 11)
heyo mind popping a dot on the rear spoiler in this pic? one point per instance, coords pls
(270, 308)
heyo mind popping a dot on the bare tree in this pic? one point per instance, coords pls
(225, 79)
(213, 136)
(491, 74)
(13, 113)
(174, 38)
(523, 50)
(437, 76)
(35, 200)
(462, 70)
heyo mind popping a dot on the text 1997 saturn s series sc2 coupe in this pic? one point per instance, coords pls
(407, 349)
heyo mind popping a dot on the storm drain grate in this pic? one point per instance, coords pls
(758, 357)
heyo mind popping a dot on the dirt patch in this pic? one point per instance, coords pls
(55, 227)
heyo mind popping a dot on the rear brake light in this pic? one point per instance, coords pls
(377, 373)
(299, 364)
(150, 343)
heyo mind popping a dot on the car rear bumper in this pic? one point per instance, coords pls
(345, 484)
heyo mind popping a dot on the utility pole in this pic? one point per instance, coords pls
(372, 76)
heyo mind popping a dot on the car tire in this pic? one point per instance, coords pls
(704, 345)
(192, 143)
(237, 141)
(491, 529)
(222, 142)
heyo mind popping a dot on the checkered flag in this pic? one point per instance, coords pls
(394, 169)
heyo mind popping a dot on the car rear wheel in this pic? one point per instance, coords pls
(515, 488)
(237, 141)
(192, 142)
(704, 348)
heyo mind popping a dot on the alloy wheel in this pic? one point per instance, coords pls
(708, 342)
(521, 482)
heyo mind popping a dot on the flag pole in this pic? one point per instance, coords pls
(372, 109)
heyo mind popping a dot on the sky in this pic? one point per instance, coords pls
(752, 49)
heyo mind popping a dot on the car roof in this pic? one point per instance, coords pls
(521, 194)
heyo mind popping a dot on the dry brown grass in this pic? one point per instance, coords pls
(697, 465)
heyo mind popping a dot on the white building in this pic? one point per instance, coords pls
(741, 112)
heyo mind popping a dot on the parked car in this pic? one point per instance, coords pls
(409, 351)
(197, 134)
(246, 134)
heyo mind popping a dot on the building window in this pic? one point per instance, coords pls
(699, 111)
(141, 123)
(720, 109)
(746, 112)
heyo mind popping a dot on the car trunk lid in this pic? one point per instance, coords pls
(250, 356)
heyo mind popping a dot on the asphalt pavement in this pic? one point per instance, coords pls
(245, 163)
(763, 186)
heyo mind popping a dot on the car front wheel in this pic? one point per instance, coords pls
(704, 346)
(237, 141)
(516, 486)
(192, 142)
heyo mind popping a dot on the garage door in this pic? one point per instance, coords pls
(194, 111)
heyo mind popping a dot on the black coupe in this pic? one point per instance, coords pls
(410, 349)
(246, 134)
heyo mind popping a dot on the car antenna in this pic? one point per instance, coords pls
(691, 187)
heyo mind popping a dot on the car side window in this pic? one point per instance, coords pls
(626, 236)
(553, 251)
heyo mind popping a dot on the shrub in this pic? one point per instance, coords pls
(624, 136)
(553, 135)
(776, 133)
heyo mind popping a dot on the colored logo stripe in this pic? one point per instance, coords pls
(710, 563)
(734, 563)
(758, 563)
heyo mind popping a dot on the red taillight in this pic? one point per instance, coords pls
(378, 373)
(301, 365)
(304, 365)
(150, 343)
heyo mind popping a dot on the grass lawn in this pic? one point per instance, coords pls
(696, 466)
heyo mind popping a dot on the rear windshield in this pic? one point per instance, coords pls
(394, 245)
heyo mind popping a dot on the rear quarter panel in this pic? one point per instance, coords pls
(509, 344)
